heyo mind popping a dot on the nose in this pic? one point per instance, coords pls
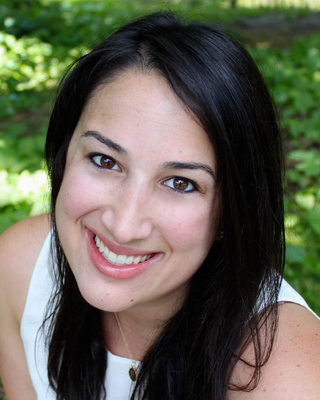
(127, 215)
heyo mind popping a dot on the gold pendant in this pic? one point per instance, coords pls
(133, 374)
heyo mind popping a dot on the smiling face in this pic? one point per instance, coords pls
(137, 211)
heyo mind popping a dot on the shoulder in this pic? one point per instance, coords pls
(20, 246)
(293, 370)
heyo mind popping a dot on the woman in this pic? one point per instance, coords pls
(167, 234)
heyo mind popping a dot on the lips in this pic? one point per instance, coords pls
(126, 266)
(120, 259)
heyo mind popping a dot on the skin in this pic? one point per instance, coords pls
(136, 209)
(133, 206)
(14, 282)
(293, 370)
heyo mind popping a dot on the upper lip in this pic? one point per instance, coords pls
(119, 249)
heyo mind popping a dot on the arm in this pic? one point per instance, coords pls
(293, 370)
(19, 248)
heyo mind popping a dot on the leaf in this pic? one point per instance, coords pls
(314, 219)
(295, 254)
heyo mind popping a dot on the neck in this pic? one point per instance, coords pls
(141, 326)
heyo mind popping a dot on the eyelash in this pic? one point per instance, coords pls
(188, 181)
(91, 157)
(195, 188)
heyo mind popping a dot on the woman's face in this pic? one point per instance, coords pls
(138, 208)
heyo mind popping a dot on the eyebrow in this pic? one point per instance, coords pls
(168, 165)
(107, 142)
(189, 165)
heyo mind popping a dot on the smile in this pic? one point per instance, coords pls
(119, 259)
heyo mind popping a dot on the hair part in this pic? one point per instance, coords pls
(234, 293)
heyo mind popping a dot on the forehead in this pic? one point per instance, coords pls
(142, 106)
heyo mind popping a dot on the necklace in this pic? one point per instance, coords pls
(133, 369)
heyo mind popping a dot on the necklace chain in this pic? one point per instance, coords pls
(133, 369)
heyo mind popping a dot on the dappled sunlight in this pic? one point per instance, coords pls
(27, 187)
(311, 4)
(36, 45)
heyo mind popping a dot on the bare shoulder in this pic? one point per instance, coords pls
(293, 370)
(20, 246)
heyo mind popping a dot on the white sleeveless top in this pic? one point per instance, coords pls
(118, 383)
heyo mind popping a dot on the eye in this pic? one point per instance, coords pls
(104, 162)
(181, 185)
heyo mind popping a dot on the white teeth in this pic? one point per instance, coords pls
(121, 259)
(137, 260)
(98, 241)
(129, 260)
(112, 257)
(118, 259)
(99, 244)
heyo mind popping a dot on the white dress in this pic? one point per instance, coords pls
(118, 383)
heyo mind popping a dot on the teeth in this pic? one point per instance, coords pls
(112, 257)
(119, 259)
(99, 244)
(137, 260)
(129, 260)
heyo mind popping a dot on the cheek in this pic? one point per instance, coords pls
(77, 195)
(190, 229)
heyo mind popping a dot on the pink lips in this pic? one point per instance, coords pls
(110, 270)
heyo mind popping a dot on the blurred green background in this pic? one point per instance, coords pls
(39, 38)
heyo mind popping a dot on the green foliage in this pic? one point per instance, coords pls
(296, 83)
(28, 66)
(294, 77)
(38, 39)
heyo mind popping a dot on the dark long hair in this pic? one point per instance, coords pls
(234, 293)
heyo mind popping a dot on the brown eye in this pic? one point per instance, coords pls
(181, 185)
(104, 162)
(107, 162)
